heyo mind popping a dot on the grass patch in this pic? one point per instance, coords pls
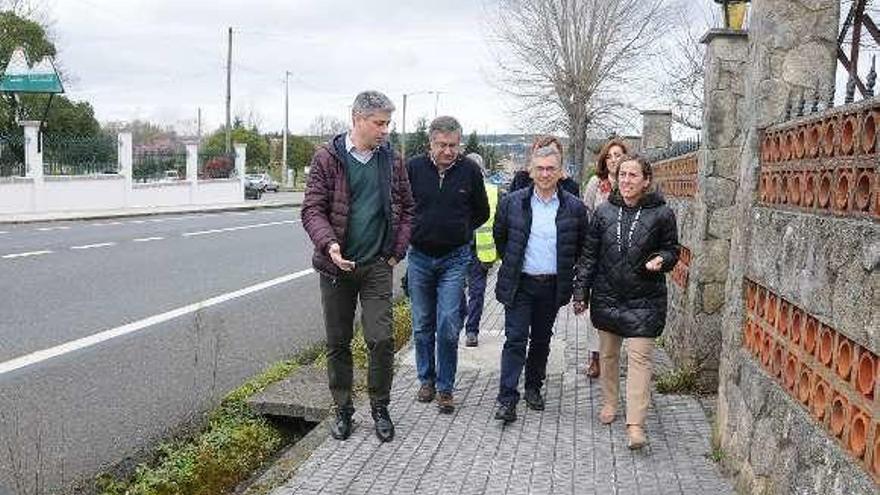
(678, 381)
(235, 442)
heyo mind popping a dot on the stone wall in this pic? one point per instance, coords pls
(798, 398)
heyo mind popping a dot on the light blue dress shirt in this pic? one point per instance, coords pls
(541, 248)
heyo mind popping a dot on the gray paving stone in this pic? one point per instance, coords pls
(563, 449)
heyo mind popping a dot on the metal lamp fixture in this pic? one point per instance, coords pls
(734, 12)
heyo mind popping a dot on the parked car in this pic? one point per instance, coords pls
(171, 175)
(265, 182)
(251, 189)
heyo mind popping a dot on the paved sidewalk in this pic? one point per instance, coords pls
(275, 200)
(563, 449)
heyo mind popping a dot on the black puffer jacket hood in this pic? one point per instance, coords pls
(625, 298)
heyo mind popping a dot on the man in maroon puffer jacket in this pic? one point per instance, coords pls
(358, 210)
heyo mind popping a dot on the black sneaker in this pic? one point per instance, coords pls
(533, 399)
(506, 413)
(340, 427)
(384, 426)
(470, 340)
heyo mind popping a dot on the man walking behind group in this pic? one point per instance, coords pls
(450, 203)
(358, 211)
(483, 257)
(539, 232)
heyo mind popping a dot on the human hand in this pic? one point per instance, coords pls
(655, 264)
(391, 261)
(335, 253)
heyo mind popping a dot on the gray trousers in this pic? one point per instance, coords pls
(370, 283)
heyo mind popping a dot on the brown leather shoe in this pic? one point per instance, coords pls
(636, 436)
(593, 369)
(445, 403)
(426, 393)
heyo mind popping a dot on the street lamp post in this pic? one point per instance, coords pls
(403, 117)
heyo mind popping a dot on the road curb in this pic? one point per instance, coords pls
(288, 461)
(102, 215)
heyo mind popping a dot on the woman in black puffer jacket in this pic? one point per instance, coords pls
(631, 243)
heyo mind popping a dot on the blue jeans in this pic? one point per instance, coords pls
(472, 302)
(435, 286)
(528, 322)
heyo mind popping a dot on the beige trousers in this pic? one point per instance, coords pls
(639, 351)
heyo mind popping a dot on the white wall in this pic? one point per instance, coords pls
(40, 194)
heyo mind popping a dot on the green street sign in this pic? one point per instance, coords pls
(20, 77)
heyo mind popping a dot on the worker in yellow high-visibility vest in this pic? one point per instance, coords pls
(483, 257)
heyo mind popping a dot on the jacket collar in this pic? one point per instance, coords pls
(651, 199)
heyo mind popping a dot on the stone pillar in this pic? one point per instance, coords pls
(656, 129)
(240, 159)
(790, 44)
(33, 163)
(33, 153)
(192, 169)
(125, 158)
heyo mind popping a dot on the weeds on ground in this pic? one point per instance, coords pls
(678, 381)
(235, 442)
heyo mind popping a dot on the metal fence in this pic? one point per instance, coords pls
(75, 155)
(12, 155)
(216, 165)
(677, 148)
(163, 164)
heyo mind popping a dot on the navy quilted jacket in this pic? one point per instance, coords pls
(513, 223)
(625, 298)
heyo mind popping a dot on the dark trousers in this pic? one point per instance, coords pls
(528, 326)
(472, 303)
(371, 283)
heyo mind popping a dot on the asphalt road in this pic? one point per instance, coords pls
(116, 333)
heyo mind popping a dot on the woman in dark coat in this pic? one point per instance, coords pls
(631, 243)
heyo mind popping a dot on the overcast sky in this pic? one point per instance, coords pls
(161, 59)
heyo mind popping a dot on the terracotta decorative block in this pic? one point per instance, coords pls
(790, 373)
(843, 359)
(839, 414)
(825, 190)
(858, 432)
(814, 135)
(805, 385)
(841, 191)
(869, 133)
(848, 131)
(866, 373)
(819, 399)
(862, 190)
(811, 183)
(826, 346)
(828, 137)
(811, 333)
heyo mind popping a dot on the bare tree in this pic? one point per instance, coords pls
(567, 61)
(682, 91)
(323, 126)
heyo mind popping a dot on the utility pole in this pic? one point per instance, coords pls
(229, 95)
(284, 173)
(403, 134)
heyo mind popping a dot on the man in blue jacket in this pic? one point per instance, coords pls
(538, 232)
(450, 203)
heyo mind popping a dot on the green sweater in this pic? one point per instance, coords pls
(366, 220)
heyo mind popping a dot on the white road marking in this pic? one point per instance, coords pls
(148, 239)
(49, 229)
(92, 246)
(25, 255)
(4, 232)
(137, 221)
(158, 220)
(94, 339)
(241, 227)
(106, 224)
